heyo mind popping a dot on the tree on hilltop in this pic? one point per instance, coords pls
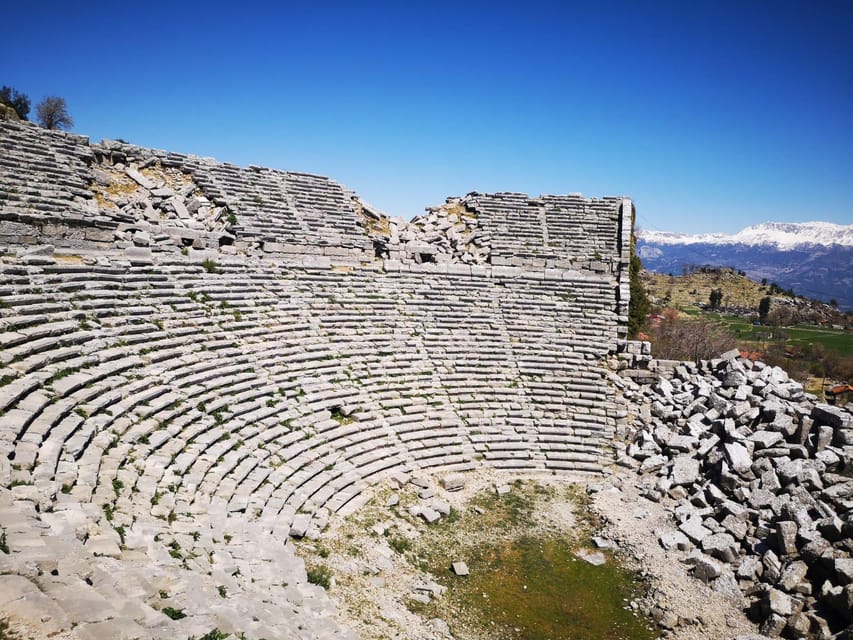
(20, 102)
(716, 298)
(52, 113)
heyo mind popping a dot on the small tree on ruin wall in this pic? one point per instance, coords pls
(52, 113)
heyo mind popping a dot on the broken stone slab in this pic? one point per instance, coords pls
(502, 489)
(707, 444)
(141, 239)
(440, 627)
(604, 543)
(653, 463)
(778, 602)
(783, 423)
(793, 576)
(738, 457)
(140, 179)
(730, 355)
(766, 439)
(299, 526)
(595, 558)
(453, 482)
(430, 515)
(399, 478)
(735, 526)
(422, 482)
(835, 417)
(705, 568)
(695, 530)
(441, 506)
(750, 568)
(675, 540)
(844, 570)
(786, 537)
(460, 568)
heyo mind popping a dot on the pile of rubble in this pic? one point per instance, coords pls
(149, 197)
(756, 474)
(448, 233)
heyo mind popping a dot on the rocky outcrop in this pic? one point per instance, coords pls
(756, 475)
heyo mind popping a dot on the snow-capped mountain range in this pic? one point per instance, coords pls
(813, 258)
(782, 235)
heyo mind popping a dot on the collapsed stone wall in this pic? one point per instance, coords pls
(60, 189)
(57, 188)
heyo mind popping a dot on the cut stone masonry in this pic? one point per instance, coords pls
(199, 361)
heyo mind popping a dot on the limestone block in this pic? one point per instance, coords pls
(675, 540)
(793, 576)
(778, 602)
(765, 439)
(738, 457)
(685, 471)
(140, 179)
(430, 515)
(453, 482)
(695, 530)
(836, 417)
(299, 526)
(705, 568)
(843, 570)
(721, 546)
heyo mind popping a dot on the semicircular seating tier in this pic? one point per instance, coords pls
(182, 387)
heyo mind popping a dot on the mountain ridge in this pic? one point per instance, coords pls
(783, 235)
(814, 259)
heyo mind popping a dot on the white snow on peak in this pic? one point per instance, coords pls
(782, 235)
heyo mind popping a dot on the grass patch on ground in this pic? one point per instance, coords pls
(525, 581)
(836, 340)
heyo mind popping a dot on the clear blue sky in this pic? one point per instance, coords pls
(711, 115)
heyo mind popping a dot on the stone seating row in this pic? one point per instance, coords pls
(166, 410)
(43, 172)
(47, 177)
(549, 227)
(210, 381)
(282, 206)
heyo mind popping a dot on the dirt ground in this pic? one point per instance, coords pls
(374, 578)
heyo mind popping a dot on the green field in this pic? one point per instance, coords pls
(836, 340)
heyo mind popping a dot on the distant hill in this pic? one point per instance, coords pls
(815, 259)
(694, 289)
